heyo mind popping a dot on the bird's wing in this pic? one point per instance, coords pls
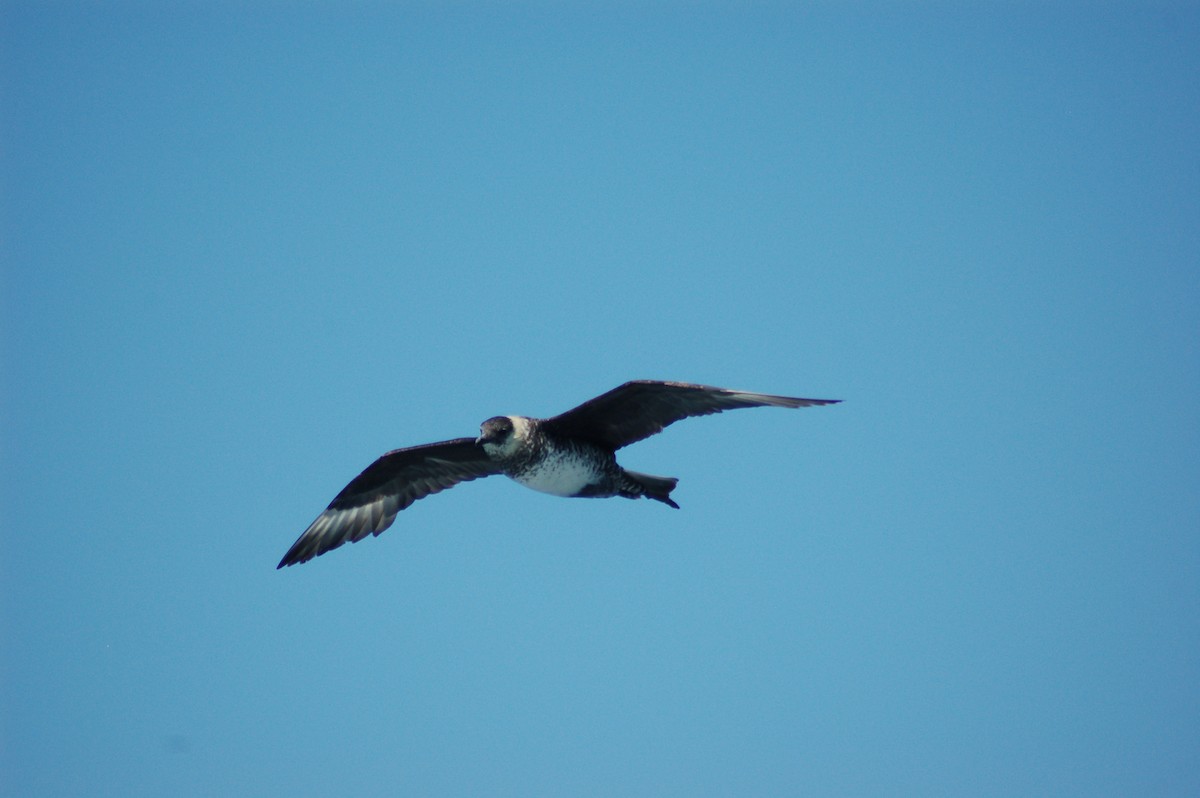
(369, 504)
(641, 408)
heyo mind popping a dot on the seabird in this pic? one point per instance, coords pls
(572, 454)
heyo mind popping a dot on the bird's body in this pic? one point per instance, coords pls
(562, 466)
(564, 472)
(572, 455)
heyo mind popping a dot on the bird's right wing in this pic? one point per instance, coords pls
(369, 504)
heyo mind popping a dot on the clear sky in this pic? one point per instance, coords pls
(245, 251)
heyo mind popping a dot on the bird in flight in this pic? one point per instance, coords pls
(572, 454)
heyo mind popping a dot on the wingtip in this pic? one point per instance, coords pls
(291, 558)
(795, 402)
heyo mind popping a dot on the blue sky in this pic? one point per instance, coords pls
(245, 251)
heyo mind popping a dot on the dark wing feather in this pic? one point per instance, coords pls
(641, 408)
(369, 504)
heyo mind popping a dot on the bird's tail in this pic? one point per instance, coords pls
(652, 487)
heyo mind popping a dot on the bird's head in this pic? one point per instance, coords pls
(496, 435)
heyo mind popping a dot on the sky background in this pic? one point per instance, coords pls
(247, 250)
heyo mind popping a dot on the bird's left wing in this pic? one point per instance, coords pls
(369, 504)
(641, 408)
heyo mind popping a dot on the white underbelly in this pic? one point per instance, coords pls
(560, 476)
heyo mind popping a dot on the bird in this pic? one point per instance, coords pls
(572, 454)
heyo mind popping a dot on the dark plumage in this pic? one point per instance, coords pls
(572, 454)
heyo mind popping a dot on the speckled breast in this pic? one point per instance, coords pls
(561, 472)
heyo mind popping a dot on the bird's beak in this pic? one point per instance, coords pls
(479, 440)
